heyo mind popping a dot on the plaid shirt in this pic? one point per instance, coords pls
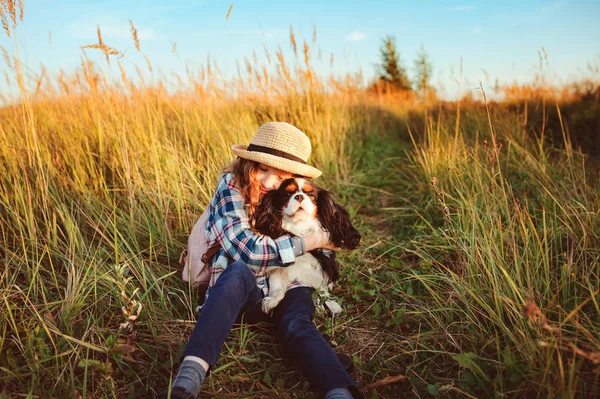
(228, 224)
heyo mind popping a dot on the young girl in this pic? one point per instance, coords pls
(278, 151)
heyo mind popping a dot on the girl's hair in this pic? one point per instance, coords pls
(244, 175)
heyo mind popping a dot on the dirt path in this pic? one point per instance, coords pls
(373, 330)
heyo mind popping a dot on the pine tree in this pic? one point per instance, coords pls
(423, 71)
(391, 72)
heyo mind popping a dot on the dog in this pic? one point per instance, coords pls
(299, 208)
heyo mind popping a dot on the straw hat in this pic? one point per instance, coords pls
(282, 146)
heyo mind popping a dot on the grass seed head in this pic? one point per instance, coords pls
(99, 33)
(134, 33)
(8, 13)
(293, 41)
(306, 54)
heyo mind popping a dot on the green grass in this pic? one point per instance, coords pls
(478, 274)
(501, 271)
(484, 283)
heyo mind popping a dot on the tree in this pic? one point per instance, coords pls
(391, 72)
(423, 71)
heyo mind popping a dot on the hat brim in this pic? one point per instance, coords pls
(274, 161)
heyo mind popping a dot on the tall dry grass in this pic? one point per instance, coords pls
(494, 270)
(100, 183)
(503, 260)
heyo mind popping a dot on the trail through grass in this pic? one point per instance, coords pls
(477, 276)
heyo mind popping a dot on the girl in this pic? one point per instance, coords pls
(278, 151)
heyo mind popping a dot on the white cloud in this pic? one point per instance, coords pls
(552, 7)
(178, 5)
(85, 31)
(355, 36)
(462, 8)
(476, 30)
(267, 34)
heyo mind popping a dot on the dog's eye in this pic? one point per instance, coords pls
(311, 195)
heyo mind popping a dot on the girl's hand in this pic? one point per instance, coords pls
(331, 246)
(319, 240)
(327, 244)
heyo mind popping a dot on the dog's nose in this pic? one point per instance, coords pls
(299, 197)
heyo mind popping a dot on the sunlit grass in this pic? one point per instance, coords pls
(508, 258)
(478, 274)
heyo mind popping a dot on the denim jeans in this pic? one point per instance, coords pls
(236, 294)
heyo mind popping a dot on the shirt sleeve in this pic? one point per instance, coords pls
(233, 232)
(299, 246)
(329, 253)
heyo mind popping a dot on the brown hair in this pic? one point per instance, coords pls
(244, 176)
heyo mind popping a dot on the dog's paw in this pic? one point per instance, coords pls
(333, 307)
(269, 303)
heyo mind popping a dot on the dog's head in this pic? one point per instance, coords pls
(299, 200)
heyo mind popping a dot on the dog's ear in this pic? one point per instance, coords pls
(336, 220)
(328, 264)
(269, 216)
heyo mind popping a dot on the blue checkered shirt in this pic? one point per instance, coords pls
(229, 225)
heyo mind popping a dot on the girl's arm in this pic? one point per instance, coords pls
(318, 240)
(232, 230)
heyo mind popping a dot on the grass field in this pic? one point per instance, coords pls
(478, 274)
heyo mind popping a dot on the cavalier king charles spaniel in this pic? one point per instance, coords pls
(300, 208)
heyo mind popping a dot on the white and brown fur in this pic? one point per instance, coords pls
(301, 208)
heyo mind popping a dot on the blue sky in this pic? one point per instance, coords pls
(501, 37)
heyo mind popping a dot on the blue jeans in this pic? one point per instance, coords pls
(236, 294)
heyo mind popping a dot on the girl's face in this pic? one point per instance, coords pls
(270, 178)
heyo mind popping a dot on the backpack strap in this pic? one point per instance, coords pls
(183, 257)
(211, 252)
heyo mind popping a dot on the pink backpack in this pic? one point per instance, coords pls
(196, 258)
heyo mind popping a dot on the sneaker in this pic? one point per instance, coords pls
(346, 362)
(176, 393)
(344, 359)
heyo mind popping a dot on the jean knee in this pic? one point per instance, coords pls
(236, 278)
(295, 326)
